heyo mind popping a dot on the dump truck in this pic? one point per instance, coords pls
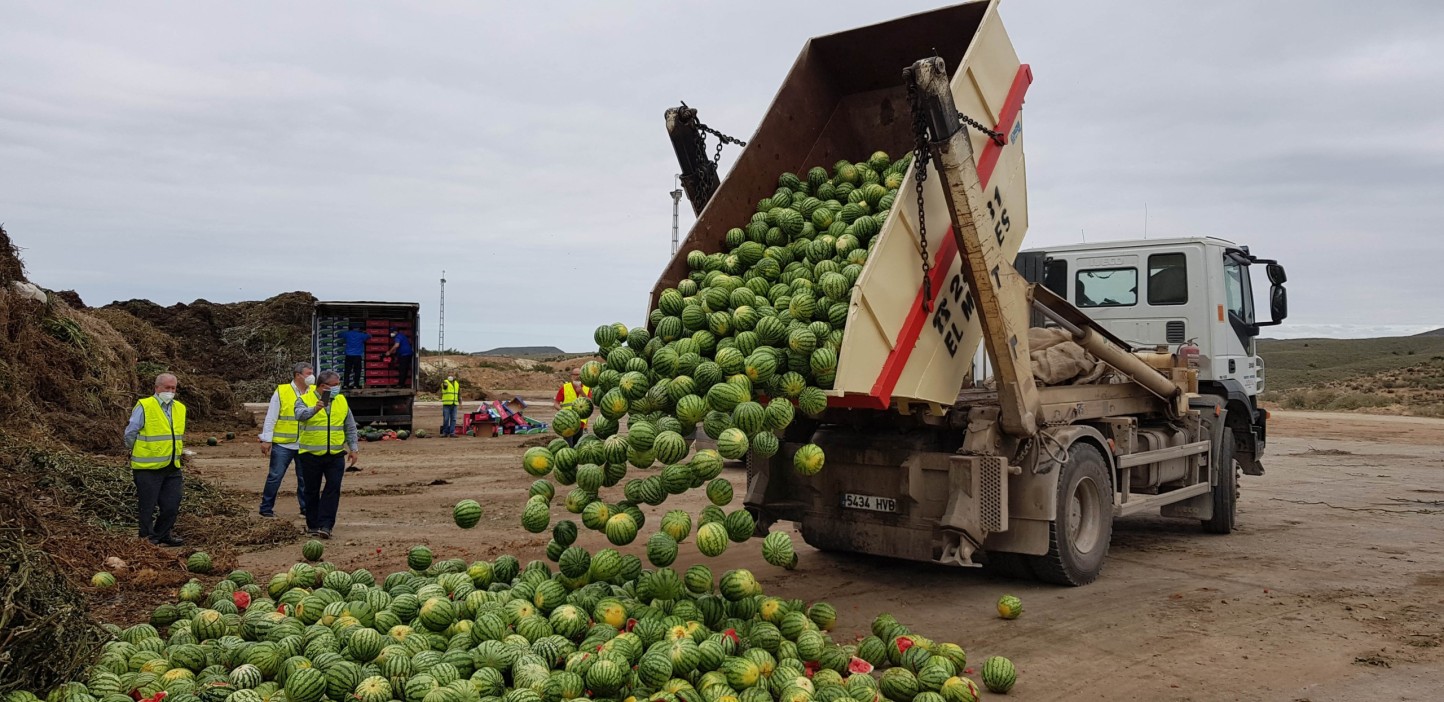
(386, 394)
(1022, 474)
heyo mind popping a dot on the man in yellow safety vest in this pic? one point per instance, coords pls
(281, 435)
(156, 438)
(450, 400)
(328, 445)
(568, 394)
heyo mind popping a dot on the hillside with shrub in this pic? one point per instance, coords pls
(1391, 375)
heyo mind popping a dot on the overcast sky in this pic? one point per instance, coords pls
(232, 151)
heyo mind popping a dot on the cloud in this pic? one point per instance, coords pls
(236, 151)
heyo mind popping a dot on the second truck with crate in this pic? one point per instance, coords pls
(386, 396)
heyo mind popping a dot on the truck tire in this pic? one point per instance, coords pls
(1082, 526)
(1225, 493)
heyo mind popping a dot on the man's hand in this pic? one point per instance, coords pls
(351, 457)
(265, 448)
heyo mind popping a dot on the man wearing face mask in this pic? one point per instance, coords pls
(281, 435)
(156, 439)
(450, 399)
(328, 445)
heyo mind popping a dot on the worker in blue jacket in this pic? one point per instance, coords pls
(400, 353)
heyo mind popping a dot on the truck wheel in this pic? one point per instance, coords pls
(1079, 534)
(1225, 493)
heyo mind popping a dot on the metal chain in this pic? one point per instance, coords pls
(722, 139)
(922, 153)
(997, 137)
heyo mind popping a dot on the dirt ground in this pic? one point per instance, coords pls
(1332, 586)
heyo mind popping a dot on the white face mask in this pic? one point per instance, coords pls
(449, 378)
(165, 397)
(309, 380)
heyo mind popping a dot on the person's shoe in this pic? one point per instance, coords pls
(169, 541)
(269, 515)
(324, 533)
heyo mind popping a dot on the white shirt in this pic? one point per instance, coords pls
(273, 412)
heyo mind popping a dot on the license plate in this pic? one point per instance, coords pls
(869, 502)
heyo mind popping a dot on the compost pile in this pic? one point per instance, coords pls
(68, 380)
(248, 346)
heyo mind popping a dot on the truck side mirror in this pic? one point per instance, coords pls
(1278, 299)
(1276, 274)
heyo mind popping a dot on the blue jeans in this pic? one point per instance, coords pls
(323, 487)
(281, 458)
(448, 420)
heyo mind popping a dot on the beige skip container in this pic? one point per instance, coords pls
(843, 99)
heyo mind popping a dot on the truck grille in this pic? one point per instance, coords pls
(990, 493)
(1174, 332)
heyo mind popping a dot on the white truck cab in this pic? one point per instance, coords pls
(1171, 292)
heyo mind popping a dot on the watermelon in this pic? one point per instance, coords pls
(724, 397)
(212, 441)
(305, 685)
(959, 689)
(719, 492)
(418, 558)
(765, 444)
(808, 460)
(199, 562)
(812, 401)
(567, 422)
(740, 525)
(670, 447)
(538, 461)
(677, 524)
(535, 517)
(466, 513)
(661, 549)
(732, 443)
(777, 550)
(898, 685)
(621, 529)
(102, 580)
(1009, 607)
(999, 675)
(575, 561)
(712, 539)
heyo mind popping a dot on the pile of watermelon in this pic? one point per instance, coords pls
(751, 336)
(495, 631)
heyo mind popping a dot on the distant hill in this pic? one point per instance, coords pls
(1436, 332)
(520, 351)
(1293, 363)
(1397, 374)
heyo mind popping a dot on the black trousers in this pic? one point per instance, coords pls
(351, 376)
(322, 503)
(157, 488)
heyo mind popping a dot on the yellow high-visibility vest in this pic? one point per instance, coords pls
(325, 432)
(162, 439)
(288, 430)
(450, 392)
(569, 393)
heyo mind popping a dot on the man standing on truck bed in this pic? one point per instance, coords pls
(355, 340)
(400, 352)
(281, 434)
